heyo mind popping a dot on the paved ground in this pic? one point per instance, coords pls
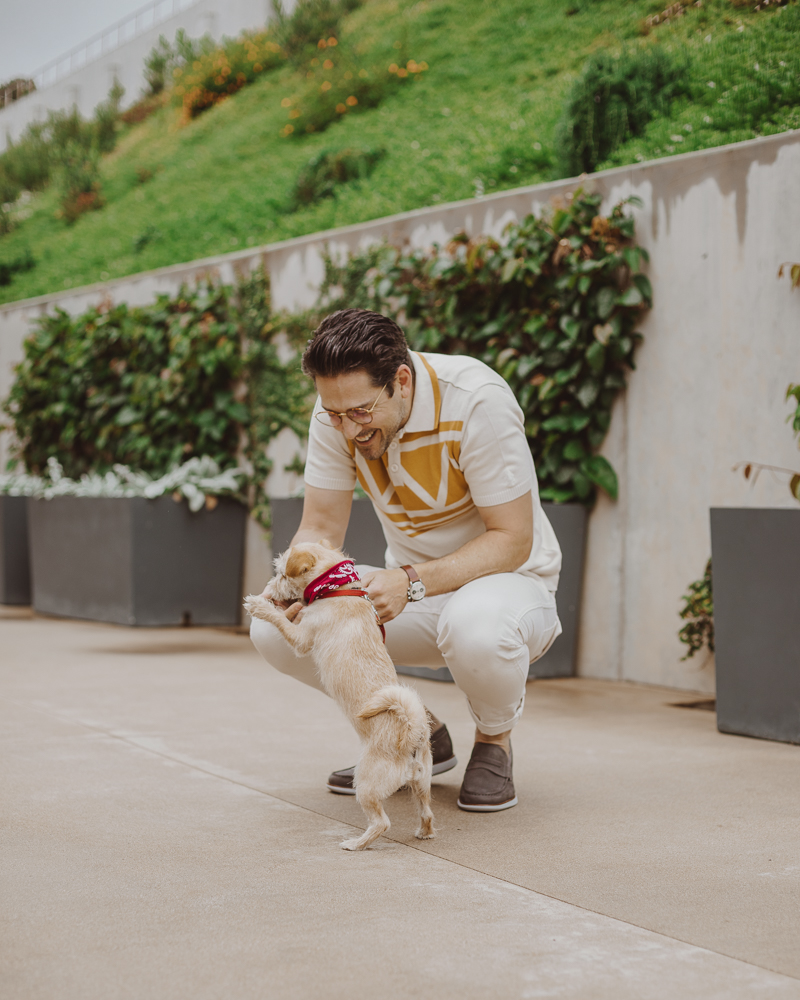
(166, 835)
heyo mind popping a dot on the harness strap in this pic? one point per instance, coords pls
(354, 593)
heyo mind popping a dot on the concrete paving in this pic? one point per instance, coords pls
(166, 834)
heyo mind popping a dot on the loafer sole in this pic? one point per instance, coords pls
(440, 768)
(468, 807)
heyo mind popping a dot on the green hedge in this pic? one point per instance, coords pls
(148, 387)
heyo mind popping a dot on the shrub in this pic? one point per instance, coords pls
(553, 309)
(148, 387)
(311, 21)
(336, 85)
(106, 119)
(216, 75)
(8, 268)
(79, 181)
(320, 177)
(27, 162)
(158, 65)
(142, 109)
(698, 612)
(613, 100)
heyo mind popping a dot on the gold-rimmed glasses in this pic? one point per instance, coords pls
(358, 414)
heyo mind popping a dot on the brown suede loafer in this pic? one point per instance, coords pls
(488, 785)
(444, 759)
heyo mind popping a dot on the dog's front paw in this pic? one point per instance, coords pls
(425, 835)
(351, 845)
(259, 607)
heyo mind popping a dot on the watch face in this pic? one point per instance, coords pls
(416, 590)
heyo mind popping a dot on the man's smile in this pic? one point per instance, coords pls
(366, 437)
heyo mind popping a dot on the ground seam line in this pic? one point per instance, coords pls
(414, 847)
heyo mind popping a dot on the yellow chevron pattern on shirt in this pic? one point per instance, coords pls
(435, 491)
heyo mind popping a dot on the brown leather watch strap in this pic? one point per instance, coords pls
(411, 572)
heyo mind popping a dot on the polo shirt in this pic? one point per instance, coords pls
(462, 447)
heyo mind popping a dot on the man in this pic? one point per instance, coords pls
(472, 563)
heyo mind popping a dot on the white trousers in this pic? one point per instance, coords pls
(486, 633)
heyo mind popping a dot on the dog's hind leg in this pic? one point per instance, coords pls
(420, 785)
(378, 820)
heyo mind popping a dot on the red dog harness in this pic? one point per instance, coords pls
(337, 576)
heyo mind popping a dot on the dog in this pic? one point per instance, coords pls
(345, 641)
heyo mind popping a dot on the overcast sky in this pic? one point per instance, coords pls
(32, 32)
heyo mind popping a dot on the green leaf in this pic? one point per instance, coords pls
(596, 356)
(642, 282)
(574, 451)
(587, 393)
(606, 299)
(570, 326)
(599, 470)
(510, 268)
(126, 416)
(631, 297)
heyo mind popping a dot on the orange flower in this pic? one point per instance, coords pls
(393, 68)
(322, 44)
(295, 113)
(341, 108)
(402, 72)
(287, 130)
(332, 42)
(352, 101)
(328, 64)
(326, 85)
(286, 102)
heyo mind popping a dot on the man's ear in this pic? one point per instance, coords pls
(326, 543)
(299, 563)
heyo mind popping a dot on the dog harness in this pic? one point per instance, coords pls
(328, 583)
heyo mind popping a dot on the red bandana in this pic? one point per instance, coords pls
(337, 576)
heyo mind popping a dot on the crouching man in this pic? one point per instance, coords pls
(438, 444)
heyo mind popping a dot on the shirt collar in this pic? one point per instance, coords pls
(427, 398)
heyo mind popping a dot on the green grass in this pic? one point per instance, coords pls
(498, 77)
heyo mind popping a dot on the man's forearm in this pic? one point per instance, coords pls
(492, 552)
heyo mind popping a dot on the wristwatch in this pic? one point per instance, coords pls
(416, 588)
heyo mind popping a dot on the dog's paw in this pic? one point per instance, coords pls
(425, 834)
(259, 607)
(351, 845)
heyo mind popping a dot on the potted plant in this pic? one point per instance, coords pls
(142, 434)
(757, 612)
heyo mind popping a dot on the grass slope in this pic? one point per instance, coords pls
(498, 77)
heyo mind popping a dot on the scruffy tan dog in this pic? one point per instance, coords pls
(345, 642)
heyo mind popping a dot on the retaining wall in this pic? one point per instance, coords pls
(720, 347)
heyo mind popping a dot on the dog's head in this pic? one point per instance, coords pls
(298, 566)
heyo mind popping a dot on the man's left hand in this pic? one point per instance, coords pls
(388, 590)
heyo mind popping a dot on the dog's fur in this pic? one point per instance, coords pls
(343, 637)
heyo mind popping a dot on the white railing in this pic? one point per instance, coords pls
(111, 38)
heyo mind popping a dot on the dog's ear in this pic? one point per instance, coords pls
(299, 563)
(326, 543)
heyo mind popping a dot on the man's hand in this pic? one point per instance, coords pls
(388, 590)
(291, 609)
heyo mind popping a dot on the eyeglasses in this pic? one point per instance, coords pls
(357, 414)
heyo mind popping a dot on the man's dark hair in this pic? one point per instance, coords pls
(357, 340)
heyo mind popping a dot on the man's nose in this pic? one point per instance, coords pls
(350, 428)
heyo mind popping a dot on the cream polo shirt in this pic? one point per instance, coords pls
(463, 447)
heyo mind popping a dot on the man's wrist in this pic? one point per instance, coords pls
(416, 588)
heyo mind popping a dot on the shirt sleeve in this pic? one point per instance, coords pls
(329, 464)
(495, 457)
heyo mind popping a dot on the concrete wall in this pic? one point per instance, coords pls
(720, 347)
(88, 85)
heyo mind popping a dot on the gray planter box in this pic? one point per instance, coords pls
(755, 555)
(134, 561)
(15, 574)
(365, 543)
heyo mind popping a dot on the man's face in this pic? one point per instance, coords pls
(356, 390)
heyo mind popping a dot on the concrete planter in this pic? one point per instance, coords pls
(134, 561)
(15, 575)
(755, 554)
(365, 543)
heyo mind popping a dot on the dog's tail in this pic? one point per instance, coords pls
(407, 707)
